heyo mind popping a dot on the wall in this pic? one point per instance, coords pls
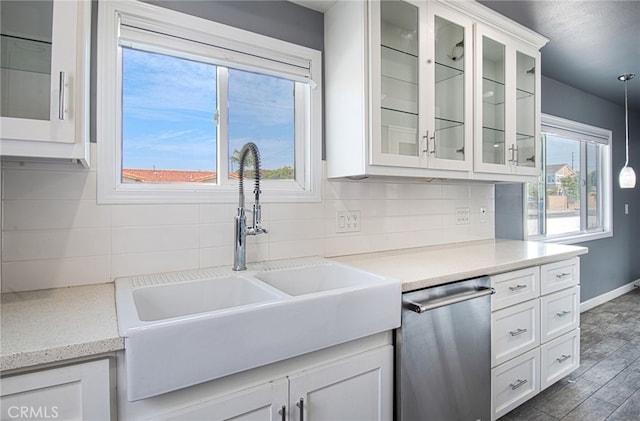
(54, 234)
(612, 262)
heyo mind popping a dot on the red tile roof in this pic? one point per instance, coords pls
(167, 176)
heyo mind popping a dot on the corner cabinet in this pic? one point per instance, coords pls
(400, 95)
(44, 101)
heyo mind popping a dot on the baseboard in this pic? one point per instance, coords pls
(608, 296)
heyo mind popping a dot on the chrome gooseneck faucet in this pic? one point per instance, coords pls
(241, 231)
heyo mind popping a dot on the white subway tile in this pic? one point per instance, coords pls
(55, 273)
(55, 244)
(40, 184)
(342, 245)
(217, 235)
(455, 191)
(140, 215)
(298, 248)
(54, 214)
(216, 256)
(223, 212)
(146, 263)
(293, 211)
(145, 239)
(295, 230)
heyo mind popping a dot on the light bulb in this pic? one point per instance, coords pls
(627, 178)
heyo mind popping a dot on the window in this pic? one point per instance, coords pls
(572, 200)
(178, 97)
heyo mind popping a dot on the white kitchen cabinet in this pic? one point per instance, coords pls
(354, 386)
(507, 104)
(44, 100)
(79, 391)
(515, 330)
(399, 91)
(515, 382)
(263, 402)
(535, 332)
(559, 358)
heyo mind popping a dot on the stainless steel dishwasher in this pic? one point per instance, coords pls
(443, 353)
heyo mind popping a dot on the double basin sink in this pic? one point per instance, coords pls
(185, 328)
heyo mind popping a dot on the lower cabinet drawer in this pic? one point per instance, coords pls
(560, 313)
(514, 330)
(514, 382)
(559, 358)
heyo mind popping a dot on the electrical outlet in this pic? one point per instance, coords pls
(462, 216)
(626, 209)
(483, 214)
(348, 221)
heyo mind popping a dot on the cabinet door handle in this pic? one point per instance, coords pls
(61, 97)
(517, 287)
(283, 413)
(513, 151)
(517, 332)
(433, 151)
(518, 384)
(300, 405)
(563, 313)
(426, 138)
(563, 275)
(563, 358)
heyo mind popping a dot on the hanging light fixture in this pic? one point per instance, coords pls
(627, 176)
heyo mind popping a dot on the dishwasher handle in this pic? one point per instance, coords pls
(453, 299)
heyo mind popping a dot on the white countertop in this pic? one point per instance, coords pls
(44, 326)
(430, 266)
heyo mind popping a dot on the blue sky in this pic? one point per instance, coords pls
(168, 114)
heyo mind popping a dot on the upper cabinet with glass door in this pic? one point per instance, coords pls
(507, 105)
(45, 79)
(400, 89)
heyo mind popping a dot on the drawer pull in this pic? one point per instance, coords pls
(563, 313)
(519, 383)
(563, 275)
(517, 332)
(563, 358)
(517, 287)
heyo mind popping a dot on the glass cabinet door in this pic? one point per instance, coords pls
(448, 140)
(525, 110)
(399, 74)
(25, 59)
(493, 102)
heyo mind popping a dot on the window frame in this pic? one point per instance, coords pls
(221, 45)
(579, 131)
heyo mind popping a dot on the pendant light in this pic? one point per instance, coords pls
(627, 176)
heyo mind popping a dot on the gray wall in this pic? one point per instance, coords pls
(611, 262)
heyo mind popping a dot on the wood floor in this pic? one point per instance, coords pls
(607, 384)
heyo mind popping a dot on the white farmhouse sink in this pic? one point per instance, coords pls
(320, 278)
(190, 327)
(165, 301)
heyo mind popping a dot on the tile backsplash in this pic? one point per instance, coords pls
(54, 234)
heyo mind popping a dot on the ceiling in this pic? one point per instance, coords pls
(592, 42)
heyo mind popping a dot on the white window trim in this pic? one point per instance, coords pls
(564, 127)
(306, 187)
